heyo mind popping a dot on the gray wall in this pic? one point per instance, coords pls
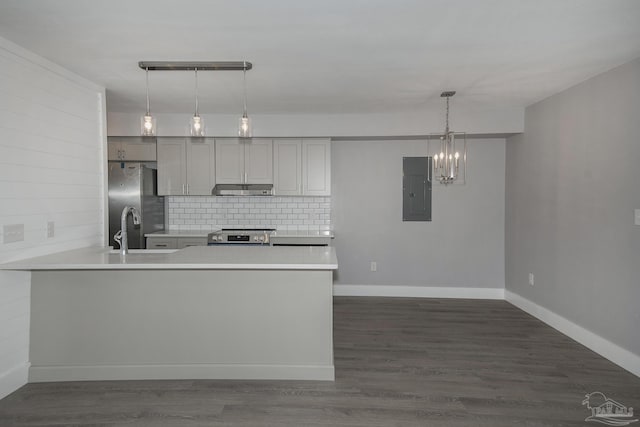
(572, 184)
(462, 247)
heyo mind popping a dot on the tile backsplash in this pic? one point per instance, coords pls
(283, 213)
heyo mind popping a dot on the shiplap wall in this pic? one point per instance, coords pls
(52, 156)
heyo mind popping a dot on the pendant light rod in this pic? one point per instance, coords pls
(244, 82)
(147, 74)
(196, 71)
(191, 66)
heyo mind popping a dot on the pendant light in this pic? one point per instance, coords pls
(196, 125)
(450, 162)
(148, 122)
(244, 128)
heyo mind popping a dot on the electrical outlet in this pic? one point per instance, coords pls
(13, 233)
(374, 266)
(50, 229)
(531, 279)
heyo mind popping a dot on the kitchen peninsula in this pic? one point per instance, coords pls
(197, 313)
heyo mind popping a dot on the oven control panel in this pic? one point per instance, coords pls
(239, 237)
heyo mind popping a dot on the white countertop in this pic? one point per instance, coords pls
(205, 233)
(302, 233)
(191, 258)
(278, 234)
(181, 233)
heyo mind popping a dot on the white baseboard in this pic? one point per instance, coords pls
(618, 355)
(417, 292)
(181, 372)
(13, 379)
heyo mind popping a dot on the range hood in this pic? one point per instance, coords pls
(242, 190)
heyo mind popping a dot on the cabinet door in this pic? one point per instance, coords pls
(114, 151)
(131, 149)
(316, 167)
(258, 161)
(139, 151)
(172, 163)
(287, 167)
(200, 166)
(229, 156)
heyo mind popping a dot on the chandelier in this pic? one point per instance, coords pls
(450, 161)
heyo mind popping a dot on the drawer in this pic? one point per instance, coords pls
(184, 242)
(161, 243)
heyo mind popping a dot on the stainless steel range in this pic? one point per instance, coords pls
(240, 236)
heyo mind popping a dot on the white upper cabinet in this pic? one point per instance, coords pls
(172, 167)
(201, 176)
(131, 149)
(244, 161)
(229, 161)
(316, 167)
(258, 161)
(287, 167)
(186, 166)
(302, 167)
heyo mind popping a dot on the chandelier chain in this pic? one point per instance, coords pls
(447, 117)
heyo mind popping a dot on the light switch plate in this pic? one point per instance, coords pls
(50, 229)
(13, 233)
(637, 216)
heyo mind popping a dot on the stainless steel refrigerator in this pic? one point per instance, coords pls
(134, 184)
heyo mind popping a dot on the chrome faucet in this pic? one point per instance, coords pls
(121, 236)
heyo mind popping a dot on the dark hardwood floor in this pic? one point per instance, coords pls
(399, 362)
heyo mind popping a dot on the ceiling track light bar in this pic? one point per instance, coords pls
(191, 66)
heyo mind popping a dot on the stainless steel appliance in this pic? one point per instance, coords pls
(134, 184)
(242, 190)
(237, 236)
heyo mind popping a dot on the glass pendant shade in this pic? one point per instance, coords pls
(148, 125)
(244, 124)
(147, 122)
(197, 126)
(244, 127)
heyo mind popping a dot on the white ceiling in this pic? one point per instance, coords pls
(330, 56)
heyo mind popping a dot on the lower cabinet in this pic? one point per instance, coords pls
(175, 242)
